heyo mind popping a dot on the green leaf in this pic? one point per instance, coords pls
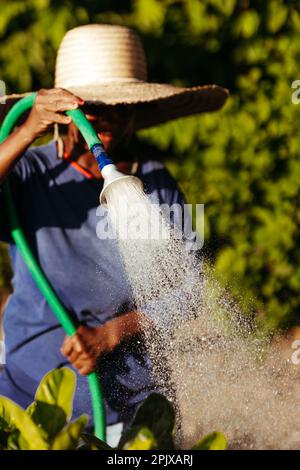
(18, 418)
(150, 14)
(92, 442)
(57, 388)
(5, 432)
(214, 441)
(50, 418)
(277, 16)
(68, 438)
(23, 444)
(138, 438)
(30, 410)
(247, 24)
(157, 414)
(54, 400)
(14, 442)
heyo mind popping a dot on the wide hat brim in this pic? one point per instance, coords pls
(154, 103)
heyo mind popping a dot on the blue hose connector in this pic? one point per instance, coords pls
(101, 156)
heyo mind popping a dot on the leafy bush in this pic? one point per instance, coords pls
(242, 162)
(45, 424)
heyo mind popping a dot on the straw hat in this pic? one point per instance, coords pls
(106, 66)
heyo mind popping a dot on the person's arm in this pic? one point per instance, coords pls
(12, 149)
(88, 344)
(47, 109)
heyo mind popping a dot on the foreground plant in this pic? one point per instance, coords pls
(153, 428)
(46, 425)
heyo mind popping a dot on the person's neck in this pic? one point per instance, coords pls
(89, 163)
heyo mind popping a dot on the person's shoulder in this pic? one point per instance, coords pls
(36, 159)
(42, 153)
(149, 166)
(154, 173)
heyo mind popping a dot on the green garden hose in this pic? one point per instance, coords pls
(40, 278)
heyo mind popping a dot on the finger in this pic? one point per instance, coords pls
(79, 346)
(50, 117)
(74, 356)
(67, 346)
(57, 105)
(49, 91)
(45, 91)
(84, 362)
(82, 359)
(48, 99)
(61, 92)
(83, 337)
(85, 369)
(57, 102)
(67, 93)
(78, 343)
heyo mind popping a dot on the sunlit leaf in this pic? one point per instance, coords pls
(18, 418)
(138, 438)
(67, 439)
(57, 388)
(213, 441)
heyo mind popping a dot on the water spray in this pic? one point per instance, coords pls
(111, 176)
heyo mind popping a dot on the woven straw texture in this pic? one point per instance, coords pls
(106, 66)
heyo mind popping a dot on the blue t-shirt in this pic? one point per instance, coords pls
(57, 207)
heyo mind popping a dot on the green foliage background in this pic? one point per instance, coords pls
(242, 162)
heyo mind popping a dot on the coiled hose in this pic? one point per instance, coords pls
(38, 275)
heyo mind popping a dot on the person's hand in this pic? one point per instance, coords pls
(48, 109)
(85, 347)
(88, 344)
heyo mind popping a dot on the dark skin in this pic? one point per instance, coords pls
(84, 348)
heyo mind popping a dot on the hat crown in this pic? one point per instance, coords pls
(94, 54)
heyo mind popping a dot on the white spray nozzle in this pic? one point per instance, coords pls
(112, 175)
